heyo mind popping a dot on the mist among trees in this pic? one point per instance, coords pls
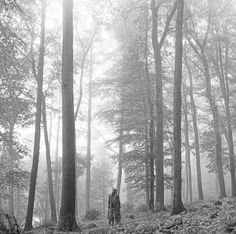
(136, 95)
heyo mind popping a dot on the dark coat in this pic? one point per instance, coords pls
(114, 209)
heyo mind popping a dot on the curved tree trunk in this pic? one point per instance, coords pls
(216, 119)
(223, 78)
(34, 170)
(201, 52)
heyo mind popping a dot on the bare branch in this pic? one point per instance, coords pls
(167, 29)
(85, 52)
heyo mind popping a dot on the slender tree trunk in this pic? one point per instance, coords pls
(129, 195)
(3, 151)
(18, 204)
(11, 186)
(57, 192)
(216, 119)
(34, 170)
(147, 168)
(196, 135)
(85, 53)
(223, 77)
(149, 164)
(46, 202)
(214, 110)
(67, 221)
(145, 110)
(147, 173)
(159, 112)
(120, 159)
(187, 150)
(186, 182)
(49, 168)
(177, 200)
(120, 156)
(88, 171)
(103, 192)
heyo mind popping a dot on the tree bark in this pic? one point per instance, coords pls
(11, 186)
(216, 119)
(67, 221)
(88, 171)
(120, 156)
(57, 190)
(213, 106)
(149, 163)
(196, 134)
(49, 168)
(46, 202)
(157, 45)
(34, 170)
(223, 78)
(159, 114)
(187, 150)
(178, 206)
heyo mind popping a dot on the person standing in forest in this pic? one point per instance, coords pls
(114, 216)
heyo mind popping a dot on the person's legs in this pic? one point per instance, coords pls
(111, 217)
(117, 217)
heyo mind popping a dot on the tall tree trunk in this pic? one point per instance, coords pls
(196, 135)
(11, 186)
(159, 112)
(49, 168)
(34, 170)
(216, 119)
(121, 146)
(46, 202)
(67, 221)
(120, 156)
(147, 168)
(223, 77)
(103, 192)
(178, 206)
(129, 195)
(18, 204)
(151, 158)
(88, 168)
(213, 106)
(187, 149)
(57, 192)
(149, 163)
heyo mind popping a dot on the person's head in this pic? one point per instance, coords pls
(114, 191)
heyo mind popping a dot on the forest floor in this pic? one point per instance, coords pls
(201, 217)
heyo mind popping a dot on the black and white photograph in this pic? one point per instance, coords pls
(117, 116)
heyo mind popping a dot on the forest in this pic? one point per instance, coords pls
(126, 119)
